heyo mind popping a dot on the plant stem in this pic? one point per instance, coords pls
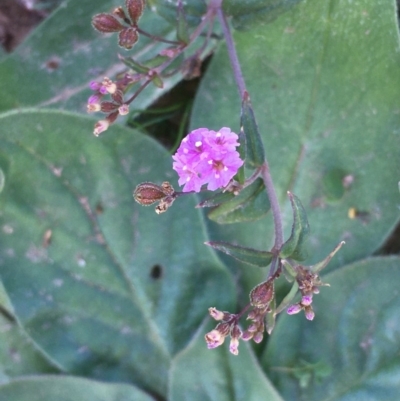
(157, 38)
(265, 171)
(237, 71)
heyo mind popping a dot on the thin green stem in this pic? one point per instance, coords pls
(157, 38)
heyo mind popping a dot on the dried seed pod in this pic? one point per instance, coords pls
(106, 23)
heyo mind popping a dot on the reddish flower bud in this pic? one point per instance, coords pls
(135, 9)
(223, 328)
(236, 332)
(127, 38)
(120, 13)
(106, 23)
(118, 96)
(262, 294)
(148, 193)
(112, 116)
(108, 107)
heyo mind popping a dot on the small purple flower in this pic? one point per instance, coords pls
(207, 157)
(222, 141)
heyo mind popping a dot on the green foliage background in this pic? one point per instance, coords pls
(325, 82)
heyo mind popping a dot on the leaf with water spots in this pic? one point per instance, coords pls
(78, 254)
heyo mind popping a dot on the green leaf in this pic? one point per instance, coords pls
(107, 296)
(323, 80)
(134, 65)
(332, 183)
(19, 354)
(288, 299)
(55, 64)
(182, 32)
(220, 376)
(254, 147)
(240, 175)
(294, 247)
(249, 12)
(245, 255)
(355, 334)
(216, 199)
(194, 10)
(50, 388)
(251, 204)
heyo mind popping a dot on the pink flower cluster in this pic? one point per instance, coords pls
(207, 157)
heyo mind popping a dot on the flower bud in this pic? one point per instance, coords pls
(118, 96)
(127, 38)
(100, 127)
(214, 339)
(292, 310)
(223, 328)
(108, 86)
(258, 337)
(94, 85)
(108, 107)
(306, 300)
(216, 314)
(233, 346)
(148, 193)
(106, 23)
(135, 9)
(253, 328)
(236, 332)
(123, 109)
(262, 294)
(309, 312)
(247, 335)
(93, 107)
(120, 13)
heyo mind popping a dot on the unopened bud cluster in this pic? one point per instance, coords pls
(119, 21)
(227, 327)
(114, 108)
(308, 285)
(260, 298)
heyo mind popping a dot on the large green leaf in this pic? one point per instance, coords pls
(219, 375)
(248, 12)
(51, 388)
(324, 83)
(116, 290)
(350, 350)
(54, 66)
(19, 355)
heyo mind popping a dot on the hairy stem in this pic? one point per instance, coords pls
(265, 171)
(237, 71)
